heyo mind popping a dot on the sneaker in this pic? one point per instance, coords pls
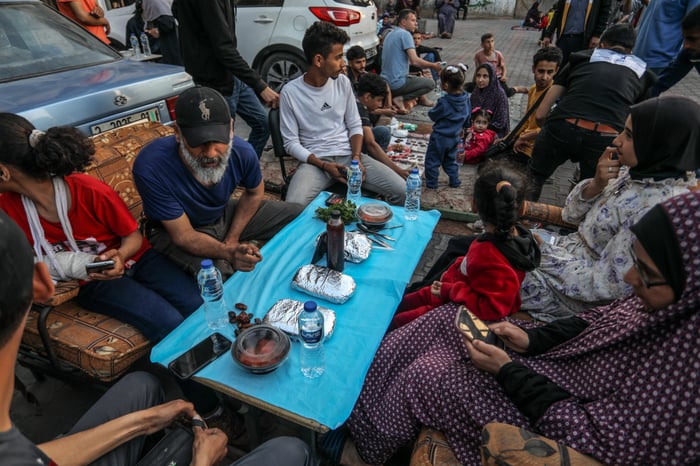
(456, 184)
(477, 227)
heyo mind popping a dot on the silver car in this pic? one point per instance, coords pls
(53, 72)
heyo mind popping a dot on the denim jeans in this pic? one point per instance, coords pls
(245, 103)
(309, 180)
(558, 142)
(382, 134)
(154, 296)
(430, 56)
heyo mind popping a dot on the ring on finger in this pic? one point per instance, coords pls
(610, 169)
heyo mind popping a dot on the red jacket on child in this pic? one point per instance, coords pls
(475, 148)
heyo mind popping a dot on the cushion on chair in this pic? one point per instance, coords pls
(432, 449)
(101, 346)
(504, 445)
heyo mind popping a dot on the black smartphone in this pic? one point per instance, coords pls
(199, 355)
(99, 266)
(334, 199)
(470, 325)
(474, 328)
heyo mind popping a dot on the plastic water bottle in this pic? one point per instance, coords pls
(460, 153)
(412, 204)
(354, 182)
(313, 361)
(134, 41)
(145, 45)
(212, 288)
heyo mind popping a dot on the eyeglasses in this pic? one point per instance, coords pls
(642, 274)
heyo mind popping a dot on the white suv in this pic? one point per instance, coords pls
(270, 32)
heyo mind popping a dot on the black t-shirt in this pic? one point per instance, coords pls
(17, 450)
(600, 91)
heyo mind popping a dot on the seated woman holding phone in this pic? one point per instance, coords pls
(649, 162)
(617, 382)
(82, 229)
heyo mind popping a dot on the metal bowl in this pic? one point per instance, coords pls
(374, 214)
(261, 349)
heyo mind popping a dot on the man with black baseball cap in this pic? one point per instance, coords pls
(186, 182)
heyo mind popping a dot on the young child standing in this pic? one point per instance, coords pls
(479, 136)
(449, 116)
(488, 54)
(487, 280)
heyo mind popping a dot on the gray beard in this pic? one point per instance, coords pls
(206, 176)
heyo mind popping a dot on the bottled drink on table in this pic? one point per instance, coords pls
(335, 236)
(412, 204)
(211, 286)
(354, 182)
(145, 45)
(311, 334)
(134, 41)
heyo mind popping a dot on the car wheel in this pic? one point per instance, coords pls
(280, 68)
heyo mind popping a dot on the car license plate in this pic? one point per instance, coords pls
(369, 53)
(150, 114)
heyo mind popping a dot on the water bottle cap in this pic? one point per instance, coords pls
(207, 263)
(335, 214)
(414, 171)
(355, 162)
(310, 306)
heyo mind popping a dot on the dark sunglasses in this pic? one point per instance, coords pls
(642, 274)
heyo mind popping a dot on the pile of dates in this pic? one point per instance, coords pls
(242, 319)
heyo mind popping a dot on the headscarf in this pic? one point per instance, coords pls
(655, 232)
(494, 98)
(634, 366)
(154, 9)
(666, 135)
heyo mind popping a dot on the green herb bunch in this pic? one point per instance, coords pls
(346, 208)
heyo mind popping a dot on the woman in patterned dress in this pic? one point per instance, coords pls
(619, 383)
(648, 164)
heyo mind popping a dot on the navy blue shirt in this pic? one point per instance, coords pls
(169, 189)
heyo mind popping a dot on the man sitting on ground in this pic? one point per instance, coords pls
(113, 430)
(321, 126)
(186, 182)
(371, 93)
(398, 52)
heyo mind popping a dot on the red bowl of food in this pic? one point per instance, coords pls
(261, 349)
(374, 214)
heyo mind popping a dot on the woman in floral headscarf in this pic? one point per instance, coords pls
(619, 383)
(650, 161)
(489, 94)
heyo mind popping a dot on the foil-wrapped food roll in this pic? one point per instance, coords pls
(324, 283)
(285, 313)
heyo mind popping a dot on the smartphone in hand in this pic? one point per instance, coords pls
(470, 325)
(99, 266)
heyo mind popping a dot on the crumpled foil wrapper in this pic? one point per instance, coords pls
(324, 283)
(357, 246)
(284, 315)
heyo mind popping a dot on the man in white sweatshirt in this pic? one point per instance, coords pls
(321, 125)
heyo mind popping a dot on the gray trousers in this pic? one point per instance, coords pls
(134, 392)
(270, 218)
(310, 180)
(414, 87)
(140, 390)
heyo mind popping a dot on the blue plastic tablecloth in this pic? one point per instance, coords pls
(360, 323)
